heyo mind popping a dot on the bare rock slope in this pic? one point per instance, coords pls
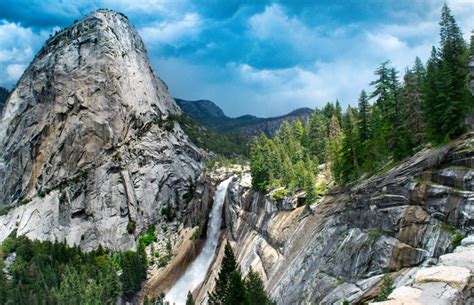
(338, 249)
(89, 151)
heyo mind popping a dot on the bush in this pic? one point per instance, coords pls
(457, 238)
(167, 212)
(386, 289)
(279, 194)
(148, 238)
(131, 227)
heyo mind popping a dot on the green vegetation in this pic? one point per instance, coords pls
(167, 212)
(228, 145)
(54, 273)
(189, 299)
(134, 266)
(457, 238)
(429, 106)
(285, 160)
(231, 289)
(148, 238)
(279, 194)
(131, 227)
(386, 289)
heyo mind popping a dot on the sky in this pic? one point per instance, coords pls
(264, 58)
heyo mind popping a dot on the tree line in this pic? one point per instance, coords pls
(54, 273)
(394, 120)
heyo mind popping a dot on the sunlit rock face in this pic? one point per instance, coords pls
(87, 143)
(339, 248)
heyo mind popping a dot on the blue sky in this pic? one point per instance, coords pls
(259, 57)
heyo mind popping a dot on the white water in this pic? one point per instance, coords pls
(196, 273)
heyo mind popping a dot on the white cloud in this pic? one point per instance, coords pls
(385, 42)
(17, 49)
(171, 32)
(14, 71)
(280, 90)
(145, 6)
(273, 24)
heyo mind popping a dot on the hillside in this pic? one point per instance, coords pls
(247, 126)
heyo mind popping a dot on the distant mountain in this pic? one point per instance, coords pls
(201, 109)
(211, 115)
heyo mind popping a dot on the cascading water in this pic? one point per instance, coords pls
(196, 273)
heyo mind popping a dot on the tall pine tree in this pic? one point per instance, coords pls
(447, 98)
(255, 291)
(226, 280)
(363, 122)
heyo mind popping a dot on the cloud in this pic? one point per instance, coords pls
(260, 57)
(172, 32)
(14, 71)
(18, 45)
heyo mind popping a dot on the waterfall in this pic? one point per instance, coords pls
(196, 273)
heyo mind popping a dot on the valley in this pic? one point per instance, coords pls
(113, 192)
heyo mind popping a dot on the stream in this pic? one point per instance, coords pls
(196, 273)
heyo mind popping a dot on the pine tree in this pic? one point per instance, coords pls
(189, 299)
(447, 99)
(318, 136)
(398, 133)
(382, 85)
(338, 111)
(255, 290)
(258, 165)
(431, 96)
(236, 294)
(229, 268)
(412, 95)
(346, 167)
(363, 123)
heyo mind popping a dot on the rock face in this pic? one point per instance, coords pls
(89, 152)
(339, 248)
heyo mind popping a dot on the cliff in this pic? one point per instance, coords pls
(400, 223)
(89, 154)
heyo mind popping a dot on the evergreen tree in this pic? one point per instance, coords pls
(236, 294)
(412, 95)
(318, 136)
(346, 167)
(226, 280)
(431, 96)
(189, 299)
(258, 165)
(383, 86)
(455, 100)
(398, 134)
(447, 98)
(255, 291)
(338, 111)
(363, 123)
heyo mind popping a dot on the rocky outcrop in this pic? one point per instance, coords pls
(339, 248)
(89, 151)
(450, 281)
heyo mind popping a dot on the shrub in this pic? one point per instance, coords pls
(386, 289)
(167, 212)
(279, 194)
(131, 227)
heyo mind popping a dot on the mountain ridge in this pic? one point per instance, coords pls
(211, 115)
